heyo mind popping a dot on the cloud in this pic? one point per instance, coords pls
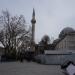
(51, 15)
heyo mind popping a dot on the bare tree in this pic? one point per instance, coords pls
(14, 33)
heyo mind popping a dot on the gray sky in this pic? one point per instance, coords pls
(51, 15)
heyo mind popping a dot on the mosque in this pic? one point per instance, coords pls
(65, 41)
(64, 49)
(61, 50)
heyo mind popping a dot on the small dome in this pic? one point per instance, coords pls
(65, 31)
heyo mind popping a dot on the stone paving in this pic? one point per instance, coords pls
(28, 68)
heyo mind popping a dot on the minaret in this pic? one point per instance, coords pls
(33, 21)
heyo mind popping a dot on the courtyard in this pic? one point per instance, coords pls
(28, 68)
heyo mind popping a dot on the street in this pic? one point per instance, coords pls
(28, 68)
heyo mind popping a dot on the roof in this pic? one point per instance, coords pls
(65, 31)
(59, 52)
(63, 34)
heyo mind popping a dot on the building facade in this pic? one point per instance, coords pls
(66, 40)
(64, 49)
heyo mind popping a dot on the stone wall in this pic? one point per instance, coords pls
(56, 59)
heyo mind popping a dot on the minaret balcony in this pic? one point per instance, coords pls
(33, 21)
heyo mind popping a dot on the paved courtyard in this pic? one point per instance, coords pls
(28, 68)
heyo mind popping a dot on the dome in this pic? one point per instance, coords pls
(65, 31)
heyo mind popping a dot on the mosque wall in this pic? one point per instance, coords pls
(57, 59)
(67, 43)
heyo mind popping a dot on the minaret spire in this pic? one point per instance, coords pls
(33, 21)
(33, 12)
(33, 17)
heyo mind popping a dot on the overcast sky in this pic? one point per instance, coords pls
(51, 15)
